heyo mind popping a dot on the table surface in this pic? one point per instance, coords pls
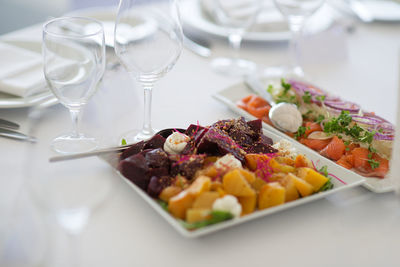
(351, 228)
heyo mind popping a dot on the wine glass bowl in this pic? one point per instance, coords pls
(296, 13)
(74, 63)
(148, 42)
(237, 16)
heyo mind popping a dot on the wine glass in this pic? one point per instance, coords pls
(148, 42)
(296, 13)
(237, 16)
(74, 63)
(66, 193)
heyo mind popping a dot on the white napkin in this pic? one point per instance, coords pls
(21, 71)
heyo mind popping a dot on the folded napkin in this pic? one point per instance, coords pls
(21, 71)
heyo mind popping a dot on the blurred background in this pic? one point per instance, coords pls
(36, 11)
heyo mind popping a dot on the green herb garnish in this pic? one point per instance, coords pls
(328, 185)
(373, 163)
(307, 97)
(369, 155)
(324, 171)
(300, 132)
(320, 118)
(371, 149)
(123, 142)
(163, 204)
(216, 217)
(286, 86)
(320, 98)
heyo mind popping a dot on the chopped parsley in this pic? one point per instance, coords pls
(123, 142)
(286, 86)
(307, 97)
(320, 98)
(341, 124)
(371, 149)
(301, 132)
(320, 118)
(373, 163)
(163, 204)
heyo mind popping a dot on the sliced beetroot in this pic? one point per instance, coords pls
(217, 142)
(135, 169)
(157, 184)
(266, 140)
(193, 129)
(186, 165)
(157, 158)
(255, 126)
(261, 148)
(134, 149)
(157, 141)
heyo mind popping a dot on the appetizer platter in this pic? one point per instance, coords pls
(206, 178)
(357, 140)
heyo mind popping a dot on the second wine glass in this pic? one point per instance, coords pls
(296, 13)
(237, 16)
(148, 42)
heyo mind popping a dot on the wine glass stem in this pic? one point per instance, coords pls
(235, 41)
(75, 117)
(147, 129)
(295, 25)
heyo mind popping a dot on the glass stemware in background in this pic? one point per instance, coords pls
(74, 63)
(296, 13)
(66, 192)
(148, 42)
(237, 16)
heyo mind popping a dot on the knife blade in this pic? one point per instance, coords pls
(16, 135)
(8, 124)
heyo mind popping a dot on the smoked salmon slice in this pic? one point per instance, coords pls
(335, 149)
(315, 144)
(312, 127)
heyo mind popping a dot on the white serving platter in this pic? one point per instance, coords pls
(342, 182)
(232, 94)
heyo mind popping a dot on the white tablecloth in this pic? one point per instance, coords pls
(353, 228)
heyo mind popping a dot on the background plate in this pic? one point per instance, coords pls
(194, 19)
(231, 95)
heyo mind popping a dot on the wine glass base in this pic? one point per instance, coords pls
(69, 144)
(283, 71)
(135, 136)
(233, 67)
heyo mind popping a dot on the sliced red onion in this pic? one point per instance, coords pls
(383, 136)
(300, 88)
(371, 114)
(343, 105)
(366, 120)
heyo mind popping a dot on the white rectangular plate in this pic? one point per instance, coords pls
(344, 181)
(232, 94)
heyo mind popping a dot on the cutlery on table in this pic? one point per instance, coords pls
(98, 152)
(16, 135)
(8, 124)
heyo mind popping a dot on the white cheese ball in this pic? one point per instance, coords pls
(227, 162)
(175, 143)
(228, 203)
